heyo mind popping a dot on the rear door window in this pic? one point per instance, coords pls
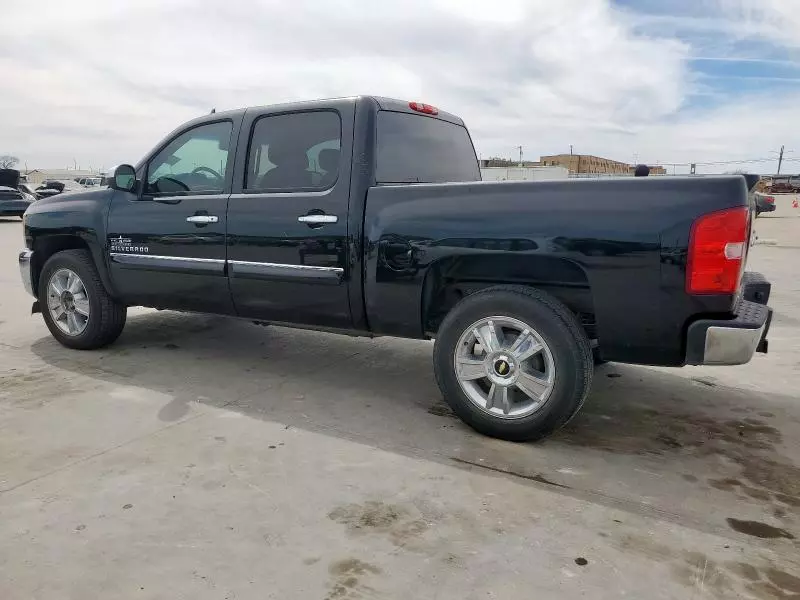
(295, 152)
(419, 149)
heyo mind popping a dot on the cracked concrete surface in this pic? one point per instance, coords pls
(201, 457)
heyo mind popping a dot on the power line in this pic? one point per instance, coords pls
(718, 162)
(724, 162)
(780, 157)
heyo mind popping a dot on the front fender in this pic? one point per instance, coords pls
(52, 223)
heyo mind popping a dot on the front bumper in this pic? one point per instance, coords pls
(25, 259)
(733, 341)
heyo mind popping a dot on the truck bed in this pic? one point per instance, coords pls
(613, 249)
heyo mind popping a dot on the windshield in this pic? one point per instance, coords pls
(418, 149)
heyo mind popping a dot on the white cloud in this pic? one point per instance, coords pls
(774, 20)
(102, 82)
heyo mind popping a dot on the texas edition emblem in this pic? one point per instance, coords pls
(123, 244)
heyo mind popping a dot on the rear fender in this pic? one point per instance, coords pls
(450, 279)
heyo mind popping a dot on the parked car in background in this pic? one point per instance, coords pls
(53, 187)
(13, 201)
(763, 203)
(89, 181)
(781, 185)
(25, 187)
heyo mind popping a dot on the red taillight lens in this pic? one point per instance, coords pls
(423, 108)
(769, 199)
(717, 251)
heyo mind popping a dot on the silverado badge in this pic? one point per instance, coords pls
(123, 244)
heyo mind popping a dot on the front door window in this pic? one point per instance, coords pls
(195, 162)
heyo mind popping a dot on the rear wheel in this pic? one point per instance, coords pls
(513, 362)
(75, 305)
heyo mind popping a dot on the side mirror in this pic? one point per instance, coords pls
(124, 178)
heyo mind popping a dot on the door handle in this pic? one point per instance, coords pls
(202, 219)
(318, 219)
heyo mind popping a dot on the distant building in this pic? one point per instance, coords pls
(507, 162)
(37, 176)
(523, 173)
(588, 164)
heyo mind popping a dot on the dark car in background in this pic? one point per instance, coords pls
(763, 203)
(760, 201)
(26, 188)
(53, 187)
(13, 200)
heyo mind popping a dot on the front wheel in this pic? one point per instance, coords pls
(75, 305)
(513, 362)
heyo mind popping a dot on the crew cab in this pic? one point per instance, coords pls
(367, 216)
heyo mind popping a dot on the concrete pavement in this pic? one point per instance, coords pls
(200, 457)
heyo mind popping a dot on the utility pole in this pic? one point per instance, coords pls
(780, 160)
(520, 155)
(570, 149)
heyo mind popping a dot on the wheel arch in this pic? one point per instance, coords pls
(45, 246)
(453, 278)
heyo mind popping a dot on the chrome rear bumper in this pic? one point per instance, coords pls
(729, 342)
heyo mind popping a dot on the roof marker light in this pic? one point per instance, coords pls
(423, 108)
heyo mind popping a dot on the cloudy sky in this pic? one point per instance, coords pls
(670, 81)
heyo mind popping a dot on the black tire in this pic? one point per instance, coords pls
(106, 316)
(569, 346)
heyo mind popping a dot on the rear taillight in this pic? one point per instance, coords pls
(769, 199)
(717, 252)
(423, 108)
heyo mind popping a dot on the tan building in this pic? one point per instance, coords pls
(586, 163)
(37, 176)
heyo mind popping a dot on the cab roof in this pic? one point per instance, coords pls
(381, 102)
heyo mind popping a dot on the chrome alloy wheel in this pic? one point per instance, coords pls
(68, 302)
(505, 367)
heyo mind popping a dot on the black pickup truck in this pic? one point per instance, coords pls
(367, 216)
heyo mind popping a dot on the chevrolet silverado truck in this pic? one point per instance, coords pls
(367, 216)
